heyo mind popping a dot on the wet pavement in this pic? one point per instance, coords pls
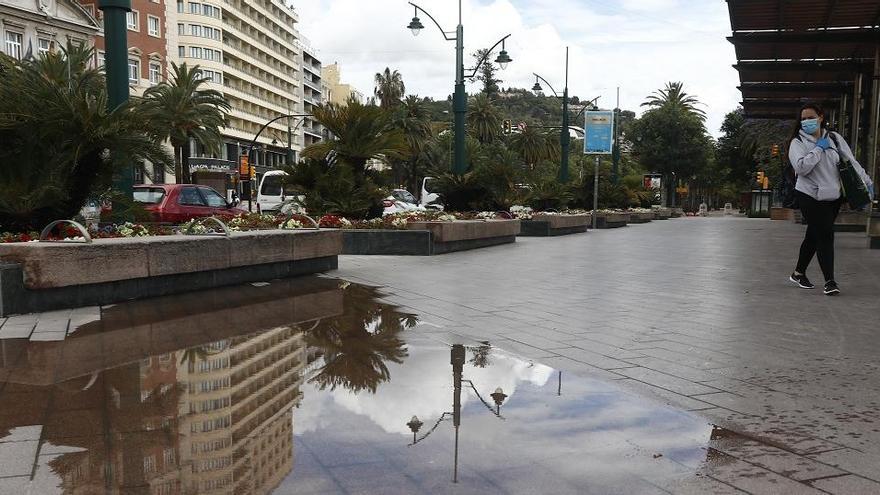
(560, 368)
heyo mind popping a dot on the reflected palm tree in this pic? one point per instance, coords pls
(480, 355)
(357, 345)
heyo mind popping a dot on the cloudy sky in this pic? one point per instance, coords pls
(637, 45)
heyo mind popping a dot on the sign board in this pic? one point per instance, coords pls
(243, 166)
(652, 182)
(599, 132)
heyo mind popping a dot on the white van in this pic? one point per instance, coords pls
(271, 196)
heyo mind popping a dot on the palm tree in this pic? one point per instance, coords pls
(362, 132)
(414, 120)
(483, 119)
(533, 145)
(674, 95)
(389, 88)
(187, 111)
(56, 133)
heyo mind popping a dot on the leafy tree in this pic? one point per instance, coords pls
(487, 73)
(60, 143)
(185, 110)
(671, 140)
(673, 95)
(389, 88)
(414, 120)
(362, 132)
(534, 145)
(483, 120)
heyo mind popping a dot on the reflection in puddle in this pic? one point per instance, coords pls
(313, 386)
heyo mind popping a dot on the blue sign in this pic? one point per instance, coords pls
(599, 132)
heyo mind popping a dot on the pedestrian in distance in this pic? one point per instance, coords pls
(815, 153)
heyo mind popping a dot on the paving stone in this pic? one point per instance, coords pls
(17, 458)
(668, 382)
(848, 485)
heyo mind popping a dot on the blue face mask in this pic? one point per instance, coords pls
(810, 126)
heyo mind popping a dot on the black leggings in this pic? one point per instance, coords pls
(819, 241)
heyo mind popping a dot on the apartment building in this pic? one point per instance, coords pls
(313, 89)
(337, 91)
(31, 27)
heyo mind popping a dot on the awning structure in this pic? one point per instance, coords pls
(827, 51)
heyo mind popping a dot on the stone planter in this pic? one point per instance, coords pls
(40, 276)
(430, 238)
(662, 213)
(851, 221)
(779, 213)
(611, 220)
(874, 230)
(554, 225)
(677, 212)
(641, 217)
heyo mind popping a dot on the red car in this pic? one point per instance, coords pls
(178, 203)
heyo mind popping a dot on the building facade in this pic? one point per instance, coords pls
(339, 92)
(312, 94)
(31, 27)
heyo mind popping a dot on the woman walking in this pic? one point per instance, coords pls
(815, 153)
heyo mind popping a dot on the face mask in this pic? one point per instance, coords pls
(810, 125)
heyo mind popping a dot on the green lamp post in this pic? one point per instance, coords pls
(564, 136)
(116, 70)
(459, 98)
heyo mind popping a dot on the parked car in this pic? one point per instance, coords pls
(399, 201)
(177, 203)
(272, 197)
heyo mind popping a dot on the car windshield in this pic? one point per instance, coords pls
(404, 196)
(431, 185)
(271, 186)
(152, 195)
(213, 197)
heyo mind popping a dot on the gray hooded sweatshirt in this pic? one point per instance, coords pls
(816, 169)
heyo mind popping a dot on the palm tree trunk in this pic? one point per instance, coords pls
(178, 169)
(187, 179)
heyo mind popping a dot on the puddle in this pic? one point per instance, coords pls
(315, 386)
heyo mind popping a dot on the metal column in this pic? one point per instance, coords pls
(856, 115)
(873, 133)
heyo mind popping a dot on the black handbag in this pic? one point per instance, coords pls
(789, 181)
(854, 188)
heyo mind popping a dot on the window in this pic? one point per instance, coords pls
(132, 20)
(195, 52)
(180, 6)
(158, 174)
(101, 59)
(181, 29)
(149, 464)
(134, 70)
(168, 458)
(155, 73)
(271, 185)
(213, 198)
(139, 173)
(181, 51)
(149, 195)
(44, 46)
(195, 8)
(153, 25)
(189, 196)
(13, 44)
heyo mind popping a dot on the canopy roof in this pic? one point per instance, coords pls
(789, 52)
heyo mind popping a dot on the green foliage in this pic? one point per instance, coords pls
(389, 88)
(673, 95)
(413, 119)
(183, 110)
(334, 190)
(362, 132)
(483, 119)
(465, 192)
(547, 193)
(488, 73)
(535, 145)
(60, 143)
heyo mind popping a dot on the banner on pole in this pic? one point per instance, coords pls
(599, 132)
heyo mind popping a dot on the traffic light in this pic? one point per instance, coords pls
(506, 127)
(774, 150)
(766, 184)
(759, 178)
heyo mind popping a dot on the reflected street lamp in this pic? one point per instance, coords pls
(459, 98)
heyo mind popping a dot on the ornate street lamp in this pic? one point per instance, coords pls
(459, 98)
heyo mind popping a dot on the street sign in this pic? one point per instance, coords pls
(244, 166)
(521, 126)
(599, 132)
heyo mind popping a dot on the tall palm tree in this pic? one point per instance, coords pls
(483, 119)
(362, 132)
(188, 111)
(56, 133)
(389, 88)
(673, 95)
(533, 145)
(414, 120)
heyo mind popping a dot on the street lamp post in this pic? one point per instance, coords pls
(564, 136)
(253, 144)
(459, 98)
(116, 70)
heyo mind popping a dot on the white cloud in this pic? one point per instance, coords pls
(638, 45)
